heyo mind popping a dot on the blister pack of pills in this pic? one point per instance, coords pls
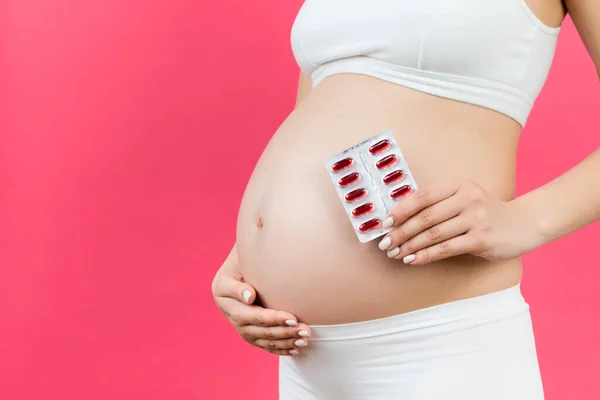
(371, 178)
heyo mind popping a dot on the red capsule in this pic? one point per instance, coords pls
(355, 195)
(363, 209)
(370, 225)
(349, 179)
(387, 161)
(342, 164)
(393, 177)
(380, 147)
(400, 192)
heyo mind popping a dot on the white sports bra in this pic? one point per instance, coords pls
(492, 53)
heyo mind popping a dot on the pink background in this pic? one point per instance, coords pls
(112, 222)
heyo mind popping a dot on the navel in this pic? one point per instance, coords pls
(259, 221)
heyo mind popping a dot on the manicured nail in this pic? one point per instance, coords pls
(291, 322)
(393, 253)
(304, 334)
(409, 258)
(388, 222)
(300, 343)
(246, 295)
(294, 352)
(385, 243)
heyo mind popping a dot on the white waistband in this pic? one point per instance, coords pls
(456, 315)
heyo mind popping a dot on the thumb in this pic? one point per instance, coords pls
(248, 293)
(232, 285)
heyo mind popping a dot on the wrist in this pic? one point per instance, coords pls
(533, 221)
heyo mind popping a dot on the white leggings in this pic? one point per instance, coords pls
(481, 348)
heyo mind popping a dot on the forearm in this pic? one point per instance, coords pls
(567, 203)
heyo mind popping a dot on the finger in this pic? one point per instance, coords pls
(419, 200)
(284, 353)
(286, 344)
(252, 332)
(243, 315)
(426, 218)
(436, 234)
(268, 317)
(462, 244)
(230, 285)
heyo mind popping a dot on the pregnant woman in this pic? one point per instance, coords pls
(433, 309)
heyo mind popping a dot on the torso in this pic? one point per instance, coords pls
(295, 243)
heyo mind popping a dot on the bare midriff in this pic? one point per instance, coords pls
(295, 243)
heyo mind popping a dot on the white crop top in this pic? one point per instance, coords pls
(492, 53)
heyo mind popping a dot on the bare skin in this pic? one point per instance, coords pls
(296, 251)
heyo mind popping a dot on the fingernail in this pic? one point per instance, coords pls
(388, 222)
(300, 343)
(409, 258)
(385, 243)
(246, 295)
(291, 322)
(393, 253)
(294, 352)
(304, 334)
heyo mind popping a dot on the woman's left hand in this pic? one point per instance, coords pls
(458, 217)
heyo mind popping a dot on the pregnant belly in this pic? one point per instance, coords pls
(295, 242)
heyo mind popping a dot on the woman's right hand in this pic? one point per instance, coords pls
(277, 332)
